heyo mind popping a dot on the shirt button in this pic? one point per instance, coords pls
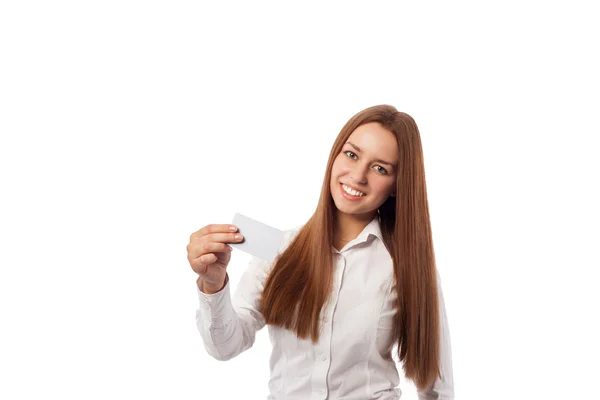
(322, 358)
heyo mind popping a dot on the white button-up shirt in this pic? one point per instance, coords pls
(353, 357)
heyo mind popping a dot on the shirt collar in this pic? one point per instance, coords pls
(373, 228)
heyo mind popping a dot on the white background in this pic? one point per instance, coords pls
(128, 125)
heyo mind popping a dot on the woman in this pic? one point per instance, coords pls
(356, 281)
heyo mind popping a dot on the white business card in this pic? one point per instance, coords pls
(260, 240)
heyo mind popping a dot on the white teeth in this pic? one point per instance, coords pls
(351, 191)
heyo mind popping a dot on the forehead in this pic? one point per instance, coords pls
(375, 139)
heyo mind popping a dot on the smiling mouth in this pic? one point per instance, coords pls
(361, 194)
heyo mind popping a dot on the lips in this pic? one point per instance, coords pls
(349, 197)
(353, 188)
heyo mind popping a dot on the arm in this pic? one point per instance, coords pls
(207, 290)
(228, 325)
(443, 388)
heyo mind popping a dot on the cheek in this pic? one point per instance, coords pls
(337, 168)
(384, 187)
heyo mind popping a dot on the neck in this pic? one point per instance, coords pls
(349, 226)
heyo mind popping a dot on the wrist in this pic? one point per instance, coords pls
(208, 288)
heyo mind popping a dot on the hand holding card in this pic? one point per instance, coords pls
(260, 240)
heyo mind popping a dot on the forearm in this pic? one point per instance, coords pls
(225, 332)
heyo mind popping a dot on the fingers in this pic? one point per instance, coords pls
(196, 250)
(209, 240)
(214, 228)
(201, 263)
(217, 233)
(200, 245)
(224, 237)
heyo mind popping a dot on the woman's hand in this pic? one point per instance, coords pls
(209, 254)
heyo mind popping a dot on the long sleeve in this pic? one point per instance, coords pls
(443, 388)
(228, 325)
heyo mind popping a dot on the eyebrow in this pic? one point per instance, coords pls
(378, 160)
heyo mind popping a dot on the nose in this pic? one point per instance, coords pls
(359, 174)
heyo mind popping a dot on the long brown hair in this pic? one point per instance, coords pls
(301, 279)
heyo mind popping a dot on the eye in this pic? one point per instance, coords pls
(348, 151)
(382, 170)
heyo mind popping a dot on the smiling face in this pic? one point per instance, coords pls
(364, 165)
